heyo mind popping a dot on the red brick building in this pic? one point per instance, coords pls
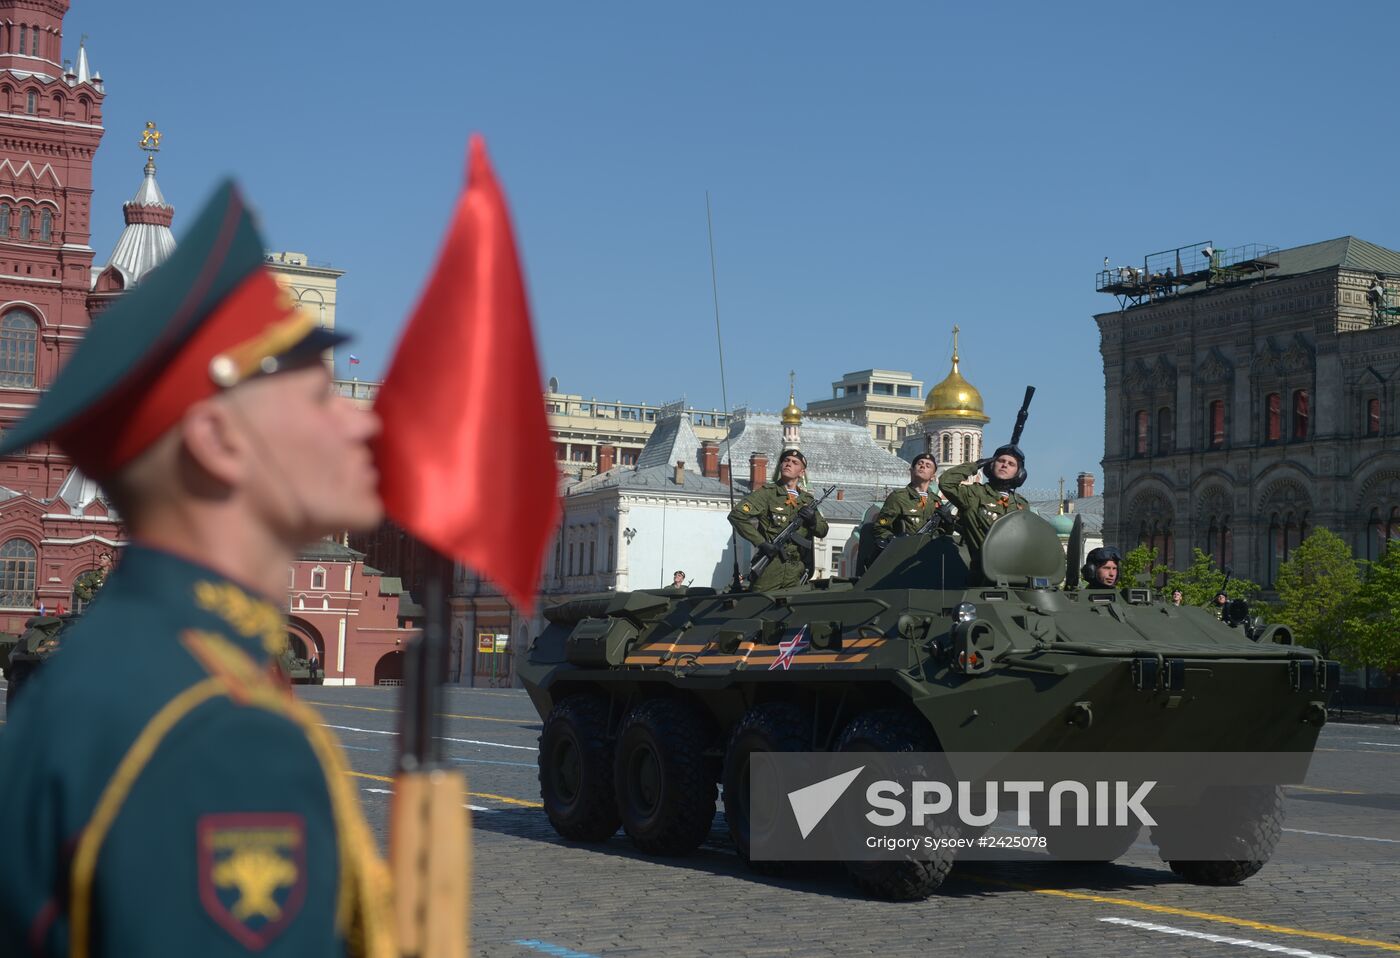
(350, 616)
(52, 529)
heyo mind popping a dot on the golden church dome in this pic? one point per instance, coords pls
(791, 414)
(954, 397)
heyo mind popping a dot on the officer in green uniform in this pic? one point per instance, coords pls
(172, 796)
(982, 503)
(908, 510)
(766, 511)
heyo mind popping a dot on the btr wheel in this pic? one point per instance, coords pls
(1090, 843)
(1247, 822)
(909, 879)
(576, 770)
(770, 727)
(665, 785)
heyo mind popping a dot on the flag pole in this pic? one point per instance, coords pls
(430, 832)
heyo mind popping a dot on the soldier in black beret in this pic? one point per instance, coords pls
(767, 510)
(176, 799)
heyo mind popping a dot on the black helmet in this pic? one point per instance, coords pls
(1015, 481)
(1095, 559)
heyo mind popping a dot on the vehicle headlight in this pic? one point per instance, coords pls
(965, 612)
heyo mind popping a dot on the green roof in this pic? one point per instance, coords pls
(331, 551)
(391, 585)
(1344, 252)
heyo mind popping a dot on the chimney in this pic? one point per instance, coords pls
(758, 470)
(840, 494)
(606, 453)
(724, 476)
(680, 473)
(709, 458)
(1086, 485)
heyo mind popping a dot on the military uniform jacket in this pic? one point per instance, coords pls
(906, 512)
(165, 794)
(766, 511)
(979, 505)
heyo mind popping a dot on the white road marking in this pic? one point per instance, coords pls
(459, 741)
(1359, 838)
(1382, 744)
(390, 791)
(1219, 939)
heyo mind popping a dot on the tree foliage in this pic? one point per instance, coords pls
(1202, 579)
(1136, 564)
(1317, 587)
(1373, 619)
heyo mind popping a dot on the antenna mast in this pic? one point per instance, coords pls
(724, 395)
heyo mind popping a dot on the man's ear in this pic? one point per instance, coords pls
(215, 442)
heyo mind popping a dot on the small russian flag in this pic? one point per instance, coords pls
(354, 360)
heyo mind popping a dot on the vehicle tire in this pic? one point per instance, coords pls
(911, 879)
(576, 770)
(664, 784)
(1252, 828)
(769, 727)
(1088, 844)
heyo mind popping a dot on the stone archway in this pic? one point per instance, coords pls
(389, 669)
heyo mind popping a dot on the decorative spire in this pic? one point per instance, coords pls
(147, 241)
(84, 71)
(955, 347)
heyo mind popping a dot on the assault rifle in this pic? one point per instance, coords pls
(942, 516)
(1021, 416)
(788, 533)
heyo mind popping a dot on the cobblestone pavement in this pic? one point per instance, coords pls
(1330, 890)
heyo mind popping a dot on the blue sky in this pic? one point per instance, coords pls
(877, 172)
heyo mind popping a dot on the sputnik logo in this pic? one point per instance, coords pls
(786, 650)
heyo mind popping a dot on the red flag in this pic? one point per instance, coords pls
(465, 458)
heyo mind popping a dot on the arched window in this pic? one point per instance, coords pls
(34, 43)
(18, 564)
(84, 109)
(23, 36)
(5, 220)
(1164, 431)
(25, 223)
(1300, 414)
(1375, 535)
(1215, 423)
(1373, 417)
(612, 553)
(1272, 416)
(967, 449)
(46, 227)
(19, 338)
(318, 578)
(1142, 424)
(947, 447)
(31, 103)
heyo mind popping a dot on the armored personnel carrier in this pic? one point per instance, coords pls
(653, 699)
(40, 639)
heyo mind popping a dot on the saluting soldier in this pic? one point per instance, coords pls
(172, 796)
(908, 510)
(767, 510)
(982, 503)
